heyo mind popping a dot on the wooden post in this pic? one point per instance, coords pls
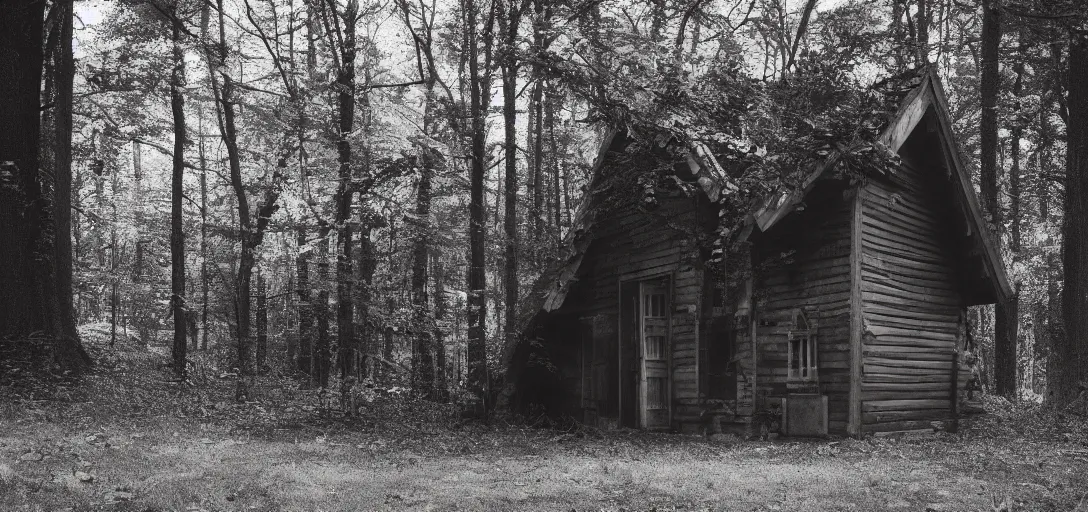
(955, 391)
(856, 322)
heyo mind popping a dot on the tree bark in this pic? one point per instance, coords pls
(262, 324)
(923, 32)
(551, 104)
(510, 218)
(441, 384)
(63, 72)
(177, 228)
(423, 374)
(322, 347)
(1071, 378)
(1005, 315)
(305, 308)
(345, 314)
(224, 96)
(367, 266)
(203, 240)
(422, 358)
(536, 213)
(28, 281)
(480, 92)
(990, 82)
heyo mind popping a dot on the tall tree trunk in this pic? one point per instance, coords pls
(1007, 314)
(423, 359)
(480, 92)
(923, 32)
(536, 126)
(305, 308)
(115, 260)
(990, 82)
(1071, 379)
(1054, 331)
(203, 239)
(322, 347)
(387, 346)
(78, 180)
(262, 323)
(510, 219)
(440, 308)
(345, 312)
(1005, 319)
(551, 103)
(28, 280)
(897, 33)
(290, 329)
(367, 266)
(224, 95)
(1043, 155)
(63, 72)
(177, 178)
(251, 235)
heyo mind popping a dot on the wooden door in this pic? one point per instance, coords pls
(654, 345)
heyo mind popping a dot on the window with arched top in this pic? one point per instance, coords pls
(801, 354)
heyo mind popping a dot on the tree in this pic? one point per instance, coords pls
(1006, 318)
(479, 83)
(57, 148)
(251, 231)
(510, 18)
(343, 28)
(1071, 378)
(28, 272)
(177, 178)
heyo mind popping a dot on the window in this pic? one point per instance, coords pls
(655, 323)
(802, 350)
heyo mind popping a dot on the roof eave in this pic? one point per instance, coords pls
(1003, 289)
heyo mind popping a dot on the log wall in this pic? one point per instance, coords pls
(912, 300)
(804, 263)
(631, 244)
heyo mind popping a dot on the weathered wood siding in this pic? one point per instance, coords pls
(912, 298)
(631, 244)
(804, 263)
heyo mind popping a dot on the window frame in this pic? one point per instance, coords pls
(803, 334)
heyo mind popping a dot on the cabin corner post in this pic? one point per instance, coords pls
(854, 427)
(957, 361)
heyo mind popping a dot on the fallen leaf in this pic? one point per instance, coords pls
(31, 457)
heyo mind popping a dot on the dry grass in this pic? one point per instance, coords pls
(151, 445)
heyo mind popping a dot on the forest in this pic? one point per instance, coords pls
(333, 219)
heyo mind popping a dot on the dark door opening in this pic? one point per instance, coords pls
(645, 387)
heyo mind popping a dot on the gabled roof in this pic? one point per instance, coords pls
(929, 93)
(714, 182)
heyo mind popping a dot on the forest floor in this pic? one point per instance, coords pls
(126, 438)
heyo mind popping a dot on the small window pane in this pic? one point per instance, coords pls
(802, 357)
(655, 347)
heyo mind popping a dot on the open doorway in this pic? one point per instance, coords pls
(645, 387)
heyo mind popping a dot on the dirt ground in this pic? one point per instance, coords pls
(127, 439)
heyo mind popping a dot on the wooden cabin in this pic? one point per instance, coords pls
(848, 315)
